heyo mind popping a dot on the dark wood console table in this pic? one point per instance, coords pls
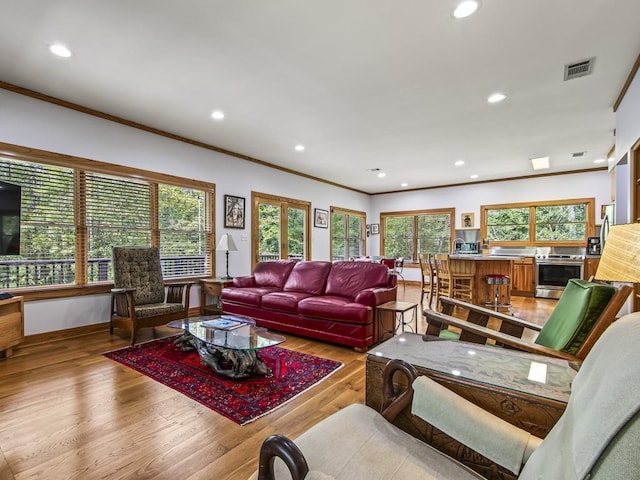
(496, 379)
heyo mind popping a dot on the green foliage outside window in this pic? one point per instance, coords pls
(409, 235)
(508, 224)
(434, 233)
(347, 239)
(295, 238)
(399, 234)
(562, 222)
(269, 231)
(111, 210)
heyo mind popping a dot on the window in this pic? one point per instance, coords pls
(347, 234)
(74, 211)
(408, 234)
(567, 222)
(281, 228)
(47, 250)
(118, 212)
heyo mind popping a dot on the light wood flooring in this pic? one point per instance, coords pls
(67, 412)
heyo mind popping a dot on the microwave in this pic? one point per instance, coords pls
(467, 247)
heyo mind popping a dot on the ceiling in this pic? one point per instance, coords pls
(399, 86)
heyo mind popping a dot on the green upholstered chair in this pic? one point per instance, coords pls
(596, 438)
(138, 298)
(583, 312)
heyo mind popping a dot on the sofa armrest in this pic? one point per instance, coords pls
(490, 436)
(244, 282)
(376, 296)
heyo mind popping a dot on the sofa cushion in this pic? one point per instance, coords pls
(348, 278)
(155, 309)
(336, 308)
(248, 296)
(273, 273)
(308, 277)
(284, 301)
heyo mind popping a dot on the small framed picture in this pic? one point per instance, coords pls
(467, 220)
(233, 211)
(375, 228)
(320, 218)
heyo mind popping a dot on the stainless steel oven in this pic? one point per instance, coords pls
(555, 267)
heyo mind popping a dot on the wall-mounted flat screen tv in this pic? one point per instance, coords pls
(10, 201)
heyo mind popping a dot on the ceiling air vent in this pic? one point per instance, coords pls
(578, 69)
(578, 154)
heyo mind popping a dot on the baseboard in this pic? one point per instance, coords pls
(77, 331)
(64, 334)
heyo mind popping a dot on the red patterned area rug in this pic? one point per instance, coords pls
(239, 400)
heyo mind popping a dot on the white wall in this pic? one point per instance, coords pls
(627, 134)
(29, 122)
(628, 120)
(33, 123)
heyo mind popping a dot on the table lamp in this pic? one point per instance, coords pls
(620, 259)
(226, 244)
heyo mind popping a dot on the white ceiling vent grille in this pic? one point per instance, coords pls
(578, 69)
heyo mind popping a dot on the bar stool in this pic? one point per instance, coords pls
(454, 284)
(497, 287)
(428, 278)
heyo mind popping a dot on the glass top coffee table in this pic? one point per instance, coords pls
(228, 344)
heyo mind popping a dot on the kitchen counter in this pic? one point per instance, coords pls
(481, 266)
(481, 257)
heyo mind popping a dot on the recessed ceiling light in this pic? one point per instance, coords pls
(299, 148)
(404, 184)
(60, 50)
(382, 175)
(465, 8)
(496, 97)
(474, 176)
(217, 115)
(459, 163)
(599, 160)
(540, 163)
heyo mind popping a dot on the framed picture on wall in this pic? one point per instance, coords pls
(467, 220)
(375, 228)
(320, 218)
(233, 211)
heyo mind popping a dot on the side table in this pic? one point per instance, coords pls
(211, 295)
(397, 309)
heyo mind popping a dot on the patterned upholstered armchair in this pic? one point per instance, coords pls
(138, 298)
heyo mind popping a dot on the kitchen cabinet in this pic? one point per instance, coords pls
(590, 267)
(523, 277)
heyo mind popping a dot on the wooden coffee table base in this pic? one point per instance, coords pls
(236, 364)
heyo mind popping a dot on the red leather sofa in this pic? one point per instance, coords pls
(334, 302)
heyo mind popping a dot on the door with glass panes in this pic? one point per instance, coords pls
(280, 228)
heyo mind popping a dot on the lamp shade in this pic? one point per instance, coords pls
(620, 260)
(226, 244)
